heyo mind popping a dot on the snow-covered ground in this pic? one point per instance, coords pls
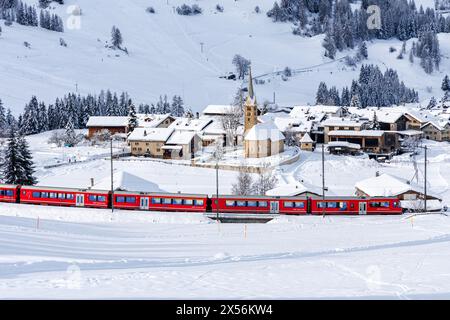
(76, 253)
(166, 57)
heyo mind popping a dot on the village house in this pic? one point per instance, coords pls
(436, 131)
(411, 194)
(149, 141)
(339, 124)
(182, 145)
(263, 140)
(295, 190)
(113, 125)
(155, 120)
(370, 141)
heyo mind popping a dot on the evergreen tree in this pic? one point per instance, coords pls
(322, 96)
(26, 163)
(330, 46)
(177, 108)
(116, 37)
(3, 123)
(10, 165)
(70, 137)
(132, 118)
(445, 84)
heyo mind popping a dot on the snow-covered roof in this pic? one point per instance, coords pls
(353, 133)
(152, 120)
(264, 131)
(96, 121)
(432, 205)
(215, 109)
(181, 137)
(187, 124)
(343, 144)
(150, 134)
(125, 181)
(341, 122)
(386, 185)
(306, 139)
(299, 111)
(291, 190)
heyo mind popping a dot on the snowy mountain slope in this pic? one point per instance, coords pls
(165, 55)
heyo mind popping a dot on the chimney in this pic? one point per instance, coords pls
(197, 115)
(92, 182)
(145, 133)
(377, 174)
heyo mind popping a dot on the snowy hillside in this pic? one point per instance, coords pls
(166, 58)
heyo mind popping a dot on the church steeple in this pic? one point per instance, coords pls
(250, 107)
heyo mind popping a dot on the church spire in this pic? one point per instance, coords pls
(251, 93)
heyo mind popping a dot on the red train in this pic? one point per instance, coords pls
(198, 202)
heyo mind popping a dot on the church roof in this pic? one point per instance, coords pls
(264, 131)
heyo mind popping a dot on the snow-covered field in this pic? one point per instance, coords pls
(94, 254)
(166, 58)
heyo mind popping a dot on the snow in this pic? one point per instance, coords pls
(96, 121)
(213, 109)
(88, 254)
(344, 144)
(306, 139)
(341, 122)
(181, 137)
(125, 181)
(292, 190)
(167, 57)
(264, 131)
(150, 134)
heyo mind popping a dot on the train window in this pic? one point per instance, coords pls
(69, 196)
(166, 201)
(198, 202)
(130, 199)
(321, 205)
(229, 203)
(2, 192)
(252, 203)
(53, 195)
(9, 193)
(188, 202)
(332, 205)
(379, 204)
(288, 204)
(156, 200)
(262, 203)
(178, 201)
(343, 205)
(241, 203)
(120, 199)
(61, 195)
(92, 198)
(396, 204)
(44, 195)
(36, 194)
(299, 205)
(101, 198)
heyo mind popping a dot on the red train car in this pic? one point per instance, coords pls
(355, 206)
(242, 204)
(161, 201)
(9, 193)
(64, 197)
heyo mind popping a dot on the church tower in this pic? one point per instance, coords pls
(250, 106)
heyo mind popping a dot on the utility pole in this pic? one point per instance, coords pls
(323, 178)
(112, 178)
(425, 180)
(201, 46)
(217, 189)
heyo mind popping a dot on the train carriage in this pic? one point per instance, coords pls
(160, 201)
(9, 193)
(244, 204)
(355, 206)
(65, 197)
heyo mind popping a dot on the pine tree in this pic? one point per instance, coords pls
(330, 46)
(355, 103)
(322, 96)
(3, 123)
(445, 84)
(432, 103)
(116, 37)
(70, 137)
(132, 118)
(11, 160)
(26, 163)
(177, 108)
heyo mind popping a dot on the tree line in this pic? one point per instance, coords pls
(373, 88)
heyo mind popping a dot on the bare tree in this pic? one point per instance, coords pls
(242, 65)
(266, 180)
(231, 122)
(243, 185)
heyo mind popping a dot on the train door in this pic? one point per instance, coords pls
(363, 208)
(145, 201)
(274, 207)
(79, 200)
(308, 206)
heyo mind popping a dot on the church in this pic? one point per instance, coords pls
(260, 139)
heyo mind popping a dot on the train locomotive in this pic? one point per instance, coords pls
(178, 202)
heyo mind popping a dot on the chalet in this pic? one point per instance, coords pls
(112, 124)
(149, 141)
(339, 124)
(411, 195)
(155, 120)
(182, 145)
(343, 147)
(371, 141)
(437, 131)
